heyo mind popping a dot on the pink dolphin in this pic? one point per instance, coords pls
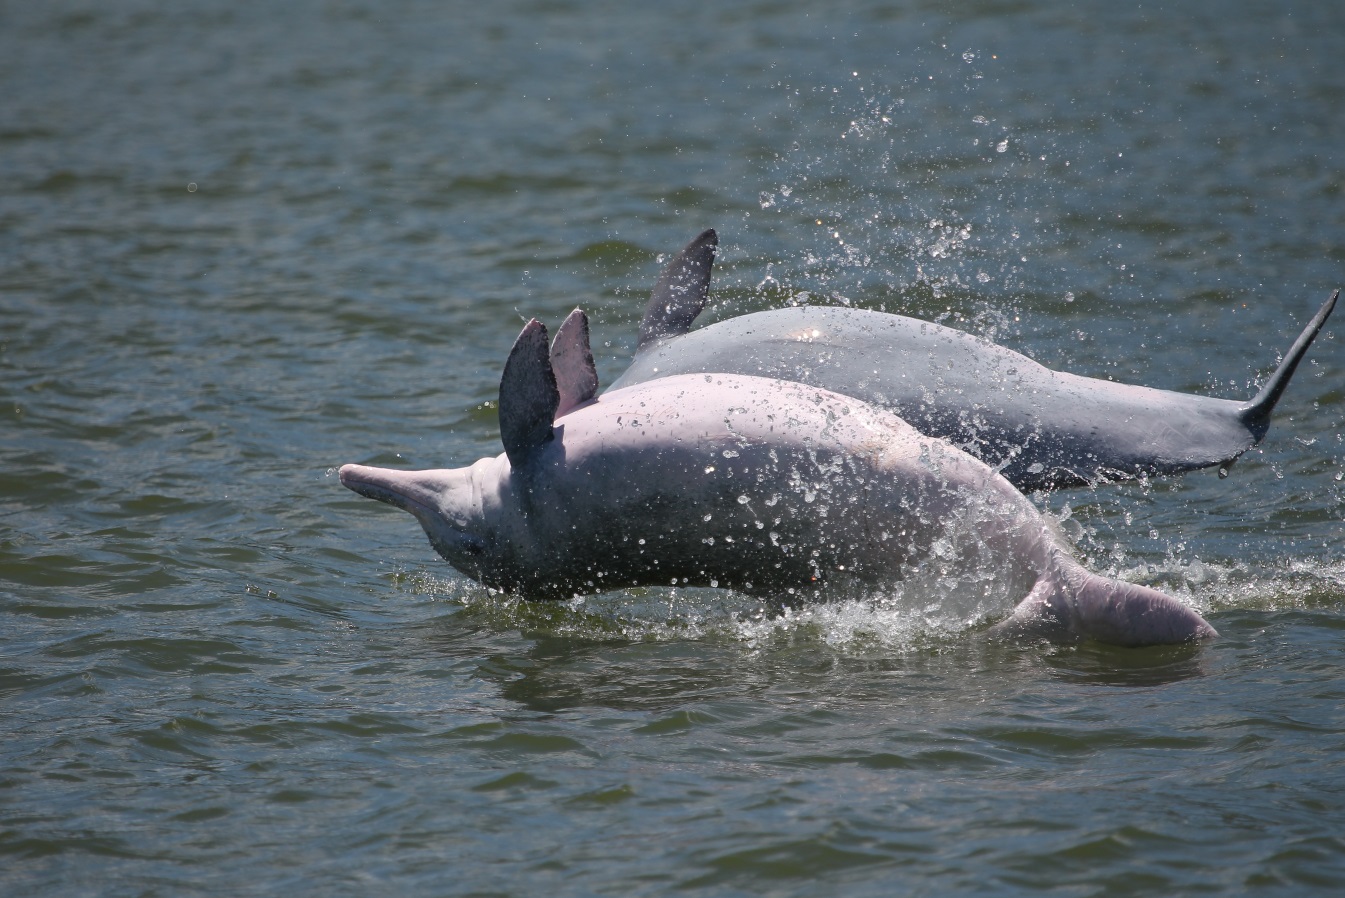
(773, 488)
(1041, 428)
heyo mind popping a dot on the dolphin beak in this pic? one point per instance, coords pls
(414, 491)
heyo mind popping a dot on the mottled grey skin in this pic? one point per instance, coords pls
(770, 487)
(1042, 429)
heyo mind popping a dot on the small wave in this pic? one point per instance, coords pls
(907, 617)
(897, 619)
(882, 622)
(1292, 583)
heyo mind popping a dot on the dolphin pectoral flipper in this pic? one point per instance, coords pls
(528, 395)
(1256, 413)
(572, 362)
(681, 291)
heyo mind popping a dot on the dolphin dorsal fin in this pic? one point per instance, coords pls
(572, 362)
(528, 396)
(681, 291)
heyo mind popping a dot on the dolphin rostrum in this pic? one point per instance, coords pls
(773, 488)
(1042, 429)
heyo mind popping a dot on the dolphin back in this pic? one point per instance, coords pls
(1041, 428)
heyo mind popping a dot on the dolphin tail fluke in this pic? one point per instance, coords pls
(1256, 413)
(681, 291)
(1086, 606)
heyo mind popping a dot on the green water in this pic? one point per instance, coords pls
(241, 244)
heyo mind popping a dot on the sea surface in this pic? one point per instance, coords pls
(242, 243)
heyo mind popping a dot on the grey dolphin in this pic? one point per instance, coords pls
(1042, 429)
(770, 487)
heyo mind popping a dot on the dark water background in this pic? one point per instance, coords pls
(241, 243)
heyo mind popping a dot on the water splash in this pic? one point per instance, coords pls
(900, 219)
(942, 602)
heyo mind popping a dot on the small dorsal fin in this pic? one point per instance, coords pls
(572, 362)
(528, 396)
(681, 291)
